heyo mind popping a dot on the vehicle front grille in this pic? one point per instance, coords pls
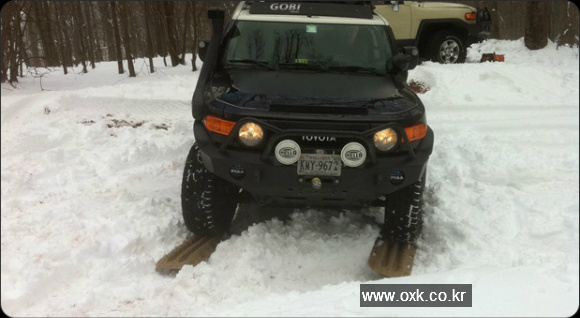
(312, 136)
(320, 125)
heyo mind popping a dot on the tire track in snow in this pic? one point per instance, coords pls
(136, 108)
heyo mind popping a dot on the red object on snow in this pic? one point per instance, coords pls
(492, 57)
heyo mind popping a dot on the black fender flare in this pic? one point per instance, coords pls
(430, 26)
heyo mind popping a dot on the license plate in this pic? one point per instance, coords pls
(319, 165)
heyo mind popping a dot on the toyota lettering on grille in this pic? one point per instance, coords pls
(318, 138)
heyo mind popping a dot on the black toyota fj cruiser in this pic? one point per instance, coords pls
(305, 104)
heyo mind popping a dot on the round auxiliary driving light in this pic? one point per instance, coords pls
(251, 134)
(386, 139)
(353, 154)
(287, 152)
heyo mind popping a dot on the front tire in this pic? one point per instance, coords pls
(207, 201)
(404, 214)
(447, 47)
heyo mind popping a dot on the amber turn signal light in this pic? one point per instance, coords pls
(218, 125)
(416, 132)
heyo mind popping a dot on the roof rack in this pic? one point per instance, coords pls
(343, 9)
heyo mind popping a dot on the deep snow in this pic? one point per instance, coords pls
(89, 203)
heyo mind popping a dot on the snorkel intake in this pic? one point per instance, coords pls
(216, 15)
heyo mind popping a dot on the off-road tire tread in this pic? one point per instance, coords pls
(404, 213)
(208, 202)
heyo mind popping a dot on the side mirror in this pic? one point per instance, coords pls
(408, 60)
(401, 62)
(202, 49)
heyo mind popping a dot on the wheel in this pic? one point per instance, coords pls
(207, 201)
(404, 213)
(447, 47)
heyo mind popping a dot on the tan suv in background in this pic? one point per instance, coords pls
(441, 31)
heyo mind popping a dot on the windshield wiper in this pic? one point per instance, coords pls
(253, 62)
(314, 67)
(354, 68)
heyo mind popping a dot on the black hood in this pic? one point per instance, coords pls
(307, 95)
(312, 85)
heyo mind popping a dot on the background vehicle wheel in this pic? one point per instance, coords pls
(404, 213)
(207, 201)
(447, 47)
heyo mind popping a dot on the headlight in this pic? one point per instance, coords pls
(251, 134)
(386, 139)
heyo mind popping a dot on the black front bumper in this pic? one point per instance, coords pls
(271, 183)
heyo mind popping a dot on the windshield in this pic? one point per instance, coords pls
(311, 46)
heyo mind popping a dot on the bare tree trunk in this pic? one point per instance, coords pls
(495, 17)
(33, 40)
(536, 34)
(20, 27)
(88, 8)
(186, 27)
(68, 36)
(14, 43)
(79, 23)
(171, 36)
(8, 13)
(127, 38)
(13, 62)
(43, 21)
(147, 13)
(4, 44)
(107, 29)
(39, 18)
(196, 27)
(117, 37)
(563, 20)
(97, 32)
(60, 38)
(160, 29)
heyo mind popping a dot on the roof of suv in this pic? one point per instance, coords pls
(313, 13)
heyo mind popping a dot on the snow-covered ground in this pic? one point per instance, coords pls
(90, 203)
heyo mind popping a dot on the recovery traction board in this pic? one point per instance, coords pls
(392, 258)
(388, 258)
(192, 251)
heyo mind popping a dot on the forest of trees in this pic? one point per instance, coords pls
(83, 33)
